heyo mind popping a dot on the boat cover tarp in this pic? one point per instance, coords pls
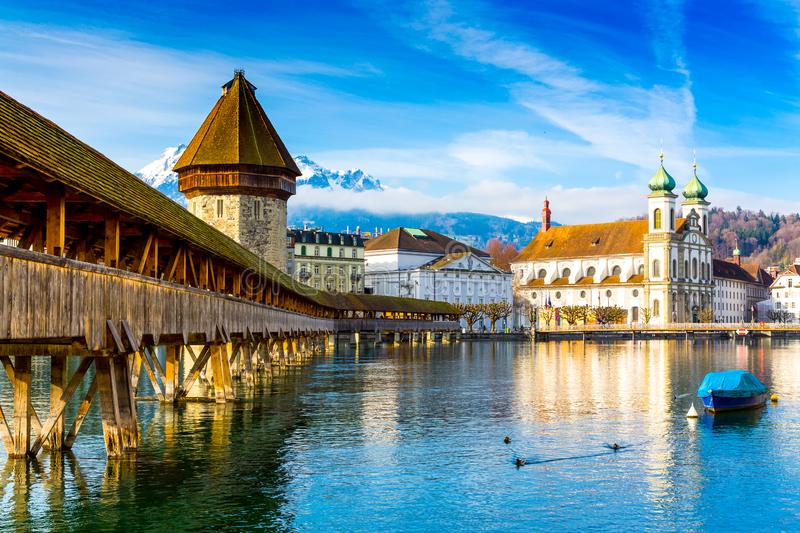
(731, 384)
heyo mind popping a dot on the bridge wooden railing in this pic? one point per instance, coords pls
(400, 325)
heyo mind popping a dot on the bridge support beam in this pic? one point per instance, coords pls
(117, 405)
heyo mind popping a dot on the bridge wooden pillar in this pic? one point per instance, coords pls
(22, 407)
(58, 381)
(172, 372)
(117, 405)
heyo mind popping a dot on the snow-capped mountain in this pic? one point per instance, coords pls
(320, 177)
(159, 174)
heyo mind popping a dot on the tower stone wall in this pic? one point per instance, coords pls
(256, 222)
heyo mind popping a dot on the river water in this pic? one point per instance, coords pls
(410, 439)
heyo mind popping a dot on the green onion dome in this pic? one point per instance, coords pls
(661, 180)
(695, 190)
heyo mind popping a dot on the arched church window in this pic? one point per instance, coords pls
(656, 308)
(542, 274)
(657, 218)
(672, 219)
(565, 273)
(656, 273)
(641, 270)
(590, 271)
(616, 271)
(694, 267)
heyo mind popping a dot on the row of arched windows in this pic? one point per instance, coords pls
(590, 272)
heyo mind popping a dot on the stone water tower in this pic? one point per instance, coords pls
(237, 174)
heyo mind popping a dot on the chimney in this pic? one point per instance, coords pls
(545, 215)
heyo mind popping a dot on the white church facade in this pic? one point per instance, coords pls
(660, 268)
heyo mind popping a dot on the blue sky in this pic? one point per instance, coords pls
(454, 105)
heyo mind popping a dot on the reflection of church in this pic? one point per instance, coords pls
(663, 264)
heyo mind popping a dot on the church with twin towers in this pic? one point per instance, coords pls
(660, 269)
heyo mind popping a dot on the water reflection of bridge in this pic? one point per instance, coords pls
(111, 272)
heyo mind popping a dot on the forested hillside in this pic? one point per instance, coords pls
(771, 239)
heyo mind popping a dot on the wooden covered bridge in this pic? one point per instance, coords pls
(106, 269)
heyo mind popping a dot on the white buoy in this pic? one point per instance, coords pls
(692, 412)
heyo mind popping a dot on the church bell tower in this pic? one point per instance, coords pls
(237, 174)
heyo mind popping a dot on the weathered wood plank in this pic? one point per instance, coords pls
(22, 406)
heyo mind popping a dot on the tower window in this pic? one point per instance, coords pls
(672, 219)
(257, 209)
(220, 207)
(656, 308)
(656, 273)
(657, 218)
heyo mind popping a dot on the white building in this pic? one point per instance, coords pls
(785, 291)
(738, 291)
(423, 264)
(662, 264)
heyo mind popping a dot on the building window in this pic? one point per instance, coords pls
(694, 268)
(583, 294)
(341, 271)
(330, 251)
(341, 252)
(674, 272)
(656, 273)
(641, 270)
(671, 218)
(565, 273)
(608, 294)
(534, 296)
(303, 250)
(685, 268)
(590, 271)
(656, 308)
(355, 253)
(635, 293)
(657, 218)
(542, 274)
(316, 250)
(316, 269)
(616, 271)
(257, 209)
(558, 295)
(220, 208)
(790, 283)
(329, 270)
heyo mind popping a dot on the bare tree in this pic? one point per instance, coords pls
(495, 311)
(471, 313)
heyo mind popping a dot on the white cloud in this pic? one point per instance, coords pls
(501, 198)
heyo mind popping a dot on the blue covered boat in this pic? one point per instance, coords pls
(731, 389)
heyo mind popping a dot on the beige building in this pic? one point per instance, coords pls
(330, 261)
(237, 174)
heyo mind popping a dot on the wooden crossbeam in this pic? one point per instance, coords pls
(151, 374)
(172, 266)
(141, 262)
(197, 367)
(192, 270)
(83, 410)
(56, 413)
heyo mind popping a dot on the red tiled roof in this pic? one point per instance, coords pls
(432, 243)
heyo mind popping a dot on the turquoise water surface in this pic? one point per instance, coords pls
(411, 439)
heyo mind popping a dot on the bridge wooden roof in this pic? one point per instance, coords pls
(40, 144)
(33, 143)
